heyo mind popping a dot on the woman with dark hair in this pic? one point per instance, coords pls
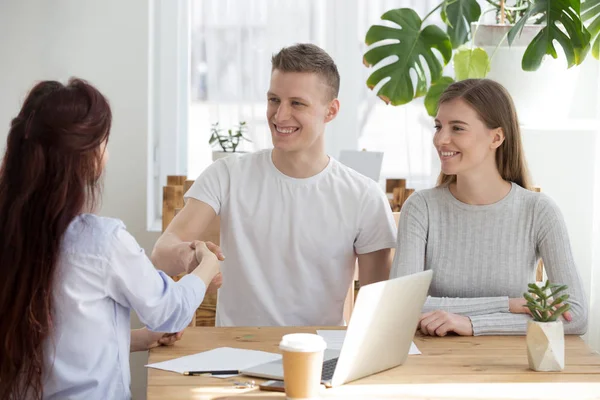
(481, 230)
(69, 277)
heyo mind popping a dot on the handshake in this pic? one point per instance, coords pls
(205, 264)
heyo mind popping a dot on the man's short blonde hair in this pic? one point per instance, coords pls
(306, 57)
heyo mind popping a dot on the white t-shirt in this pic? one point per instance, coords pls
(290, 243)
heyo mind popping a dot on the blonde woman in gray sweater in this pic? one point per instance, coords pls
(481, 230)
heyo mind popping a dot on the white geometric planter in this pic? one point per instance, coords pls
(546, 346)
(222, 154)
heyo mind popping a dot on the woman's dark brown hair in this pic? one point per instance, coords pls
(50, 174)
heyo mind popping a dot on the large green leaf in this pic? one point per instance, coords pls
(563, 25)
(412, 45)
(432, 98)
(458, 15)
(590, 13)
(471, 63)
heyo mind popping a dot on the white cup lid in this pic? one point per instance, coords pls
(302, 342)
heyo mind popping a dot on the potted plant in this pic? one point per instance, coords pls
(228, 142)
(545, 333)
(414, 42)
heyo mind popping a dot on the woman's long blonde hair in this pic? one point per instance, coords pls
(495, 108)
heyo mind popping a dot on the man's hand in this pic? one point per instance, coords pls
(439, 323)
(209, 266)
(217, 281)
(215, 284)
(211, 246)
(171, 252)
(191, 258)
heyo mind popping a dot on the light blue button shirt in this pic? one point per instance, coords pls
(102, 275)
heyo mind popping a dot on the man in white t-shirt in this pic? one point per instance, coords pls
(293, 219)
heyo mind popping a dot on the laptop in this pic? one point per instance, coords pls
(367, 163)
(379, 335)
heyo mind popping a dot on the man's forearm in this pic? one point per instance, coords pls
(373, 275)
(374, 267)
(172, 255)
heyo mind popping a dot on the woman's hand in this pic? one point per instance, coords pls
(217, 281)
(209, 264)
(439, 323)
(518, 306)
(216, 250)
(156, 339)
(143, 339)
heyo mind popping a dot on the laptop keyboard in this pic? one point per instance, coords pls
(328, 369)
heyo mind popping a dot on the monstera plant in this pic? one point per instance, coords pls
(427, 49)
(590, 14)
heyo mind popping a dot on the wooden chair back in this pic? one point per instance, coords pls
(397, 193)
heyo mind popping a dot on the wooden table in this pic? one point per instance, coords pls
(450, 368)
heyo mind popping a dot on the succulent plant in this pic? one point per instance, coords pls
(545, 303)
(230, 141)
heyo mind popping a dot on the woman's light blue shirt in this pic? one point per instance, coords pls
(102, 275)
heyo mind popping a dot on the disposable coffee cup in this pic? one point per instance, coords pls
(302, 365)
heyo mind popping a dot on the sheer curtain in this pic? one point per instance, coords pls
(232, 44)
(404, 133)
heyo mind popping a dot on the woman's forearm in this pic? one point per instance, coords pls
(467, 306)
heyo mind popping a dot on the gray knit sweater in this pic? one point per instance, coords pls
(483, 255)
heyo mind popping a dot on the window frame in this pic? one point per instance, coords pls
(169, 94)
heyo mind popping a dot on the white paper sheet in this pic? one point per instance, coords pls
(222, 358)
(335, 339)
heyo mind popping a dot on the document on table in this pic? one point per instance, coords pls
(335, 339)
(222, 358)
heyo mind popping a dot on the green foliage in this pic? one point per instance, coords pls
(230, 141)
(432, 97)
(424, 50)
(513, 12)
(471, 63)
(590, 13)
(545, 303)
(562, 24)
(412, 44)
(458, 15)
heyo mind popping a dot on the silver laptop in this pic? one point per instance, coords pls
(379, 335)
(367, 163)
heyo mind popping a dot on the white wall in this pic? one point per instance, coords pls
(594, 328)
(20, 58)
(563, 160)
(107, 43)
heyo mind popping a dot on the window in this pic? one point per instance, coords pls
(232, 43)
(231, 47)
(219, 71)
